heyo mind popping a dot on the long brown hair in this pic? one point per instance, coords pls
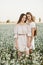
(33, 20)
(32, 17)
(20, 18)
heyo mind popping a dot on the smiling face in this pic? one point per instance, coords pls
(23, 18)
(29, 17)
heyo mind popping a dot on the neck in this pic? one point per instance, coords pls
(29, 21)
(21, 22)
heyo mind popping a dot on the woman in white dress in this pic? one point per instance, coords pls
(31, 23)
(20, 32)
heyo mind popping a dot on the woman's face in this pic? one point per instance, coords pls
(29, 17)
(24, 18)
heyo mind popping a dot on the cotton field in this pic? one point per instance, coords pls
(8, 54)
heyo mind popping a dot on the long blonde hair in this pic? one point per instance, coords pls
(32, 17)
(33, 20)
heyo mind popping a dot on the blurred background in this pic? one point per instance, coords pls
(11, 9)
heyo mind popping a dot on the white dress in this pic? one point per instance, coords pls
(20, 31)
(32, 25)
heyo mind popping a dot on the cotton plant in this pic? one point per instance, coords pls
(9, 56)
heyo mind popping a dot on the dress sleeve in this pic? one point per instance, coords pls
(33, 25)
(15, 31)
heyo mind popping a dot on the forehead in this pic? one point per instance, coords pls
(28, 15)
(24, 16)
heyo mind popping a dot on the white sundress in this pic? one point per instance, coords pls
(32, 25)
(20, 31)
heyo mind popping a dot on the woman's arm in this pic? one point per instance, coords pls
(29, 38)
(16, 36)
(33, 31)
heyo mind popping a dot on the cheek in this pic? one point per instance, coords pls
(24, 19)
(29, 17)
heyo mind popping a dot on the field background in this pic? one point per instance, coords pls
(7, 43)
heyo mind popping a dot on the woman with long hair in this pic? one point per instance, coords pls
(20, 32)
(31, 23)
